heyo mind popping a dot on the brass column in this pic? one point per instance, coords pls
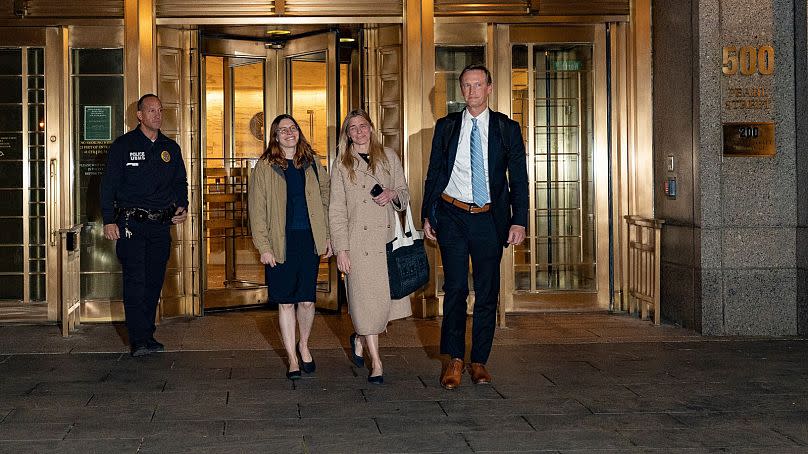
(140, 64)
(419, 83)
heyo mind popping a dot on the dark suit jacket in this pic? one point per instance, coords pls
(507, 170)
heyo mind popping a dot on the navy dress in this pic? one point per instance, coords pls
(295, 280)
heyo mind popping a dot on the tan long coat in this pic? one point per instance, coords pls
(363, 228)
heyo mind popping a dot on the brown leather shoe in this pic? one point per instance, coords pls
(450, 378)
(479, 376)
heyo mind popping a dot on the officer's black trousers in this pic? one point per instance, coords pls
(143, 259)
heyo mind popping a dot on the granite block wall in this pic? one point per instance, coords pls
(734, 253)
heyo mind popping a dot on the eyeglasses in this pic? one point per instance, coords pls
(288, 131)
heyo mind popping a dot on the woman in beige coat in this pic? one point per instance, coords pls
(362, 223)
(288, 204)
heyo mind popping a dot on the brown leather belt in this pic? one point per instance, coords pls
(467, 207)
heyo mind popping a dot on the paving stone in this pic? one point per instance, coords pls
(10, 431)
(114, 429)
(451, 424)
(207, 412)
(220, 444)
(83, 413)
(502, 407)
(606, 422)
(370, 409)
(406, 443)
(535, 441)
(71, 446)
(345, 427)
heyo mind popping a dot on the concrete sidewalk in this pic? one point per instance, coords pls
(562, 383)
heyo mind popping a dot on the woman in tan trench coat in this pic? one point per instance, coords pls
(361, 225)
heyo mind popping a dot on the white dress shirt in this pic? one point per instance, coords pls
(459, 185)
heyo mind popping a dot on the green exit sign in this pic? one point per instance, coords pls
(567, 65)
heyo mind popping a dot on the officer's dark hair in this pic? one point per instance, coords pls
(143, 98)
(476, 67)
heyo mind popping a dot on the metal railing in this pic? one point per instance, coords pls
(642, 277)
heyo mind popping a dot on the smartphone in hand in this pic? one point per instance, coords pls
(376, 190)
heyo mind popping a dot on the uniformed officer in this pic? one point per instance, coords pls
(143, 192)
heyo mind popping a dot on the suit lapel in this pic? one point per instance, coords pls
(494, 146)
(453, 140)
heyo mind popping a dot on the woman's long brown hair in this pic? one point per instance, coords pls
(274, 153)
(375, 151)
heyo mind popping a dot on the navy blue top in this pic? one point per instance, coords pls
(143, 174)
(297, 212)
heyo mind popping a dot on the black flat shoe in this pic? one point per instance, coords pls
(154, 346)
(377, 380)
(357, 360)
(309, 367)
(293, 375)
(139, 349)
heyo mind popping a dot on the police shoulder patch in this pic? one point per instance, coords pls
(166, 156)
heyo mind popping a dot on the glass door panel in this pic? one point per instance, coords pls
(234, 140)
(97, 90)
(23, 234)
(316, 83)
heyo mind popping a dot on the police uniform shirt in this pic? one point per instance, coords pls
(143, 174)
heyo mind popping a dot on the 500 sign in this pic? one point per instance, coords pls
(748, 60)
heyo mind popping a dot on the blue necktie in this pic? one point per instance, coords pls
(479, 189)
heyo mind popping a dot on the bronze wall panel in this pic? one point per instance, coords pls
(490, 7)
(343, 8)
(70, 9)
(215, 8)
(582, 7)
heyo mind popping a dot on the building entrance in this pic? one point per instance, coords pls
(311, 74)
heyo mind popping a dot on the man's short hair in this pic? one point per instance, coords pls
(476, 67)
(143, 98)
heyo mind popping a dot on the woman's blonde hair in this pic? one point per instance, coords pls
(375, 151)
(274, 153)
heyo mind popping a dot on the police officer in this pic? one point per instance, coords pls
(143, 192)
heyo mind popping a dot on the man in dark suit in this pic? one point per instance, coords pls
(475, 203)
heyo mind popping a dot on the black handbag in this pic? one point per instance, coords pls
(407, 265)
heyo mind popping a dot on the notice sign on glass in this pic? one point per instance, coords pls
(97, 123)
(749, 139)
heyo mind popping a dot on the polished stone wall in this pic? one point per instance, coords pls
(801, 100)
(733, 240)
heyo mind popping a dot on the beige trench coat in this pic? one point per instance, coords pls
(363, 228)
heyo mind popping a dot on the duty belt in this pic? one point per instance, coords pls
(144, 215)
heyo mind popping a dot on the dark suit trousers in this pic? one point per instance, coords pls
(460, 235)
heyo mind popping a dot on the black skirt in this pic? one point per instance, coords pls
(295, 280)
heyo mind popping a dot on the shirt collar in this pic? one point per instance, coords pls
(482, 118)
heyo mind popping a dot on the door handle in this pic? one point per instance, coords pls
(52, 203)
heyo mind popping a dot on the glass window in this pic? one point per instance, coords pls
(449, 63)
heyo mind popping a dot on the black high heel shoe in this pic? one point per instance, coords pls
(357, 360)
(377, 380)
(293, 375)
(309, 367)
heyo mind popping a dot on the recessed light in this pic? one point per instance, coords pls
(347, 40)
(278, 32)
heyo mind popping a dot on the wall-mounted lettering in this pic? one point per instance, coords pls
(748, 60)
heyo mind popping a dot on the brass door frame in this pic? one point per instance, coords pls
(497, 39)
(229, 297)
(92, 310)
(585, 34)
(277, 100)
